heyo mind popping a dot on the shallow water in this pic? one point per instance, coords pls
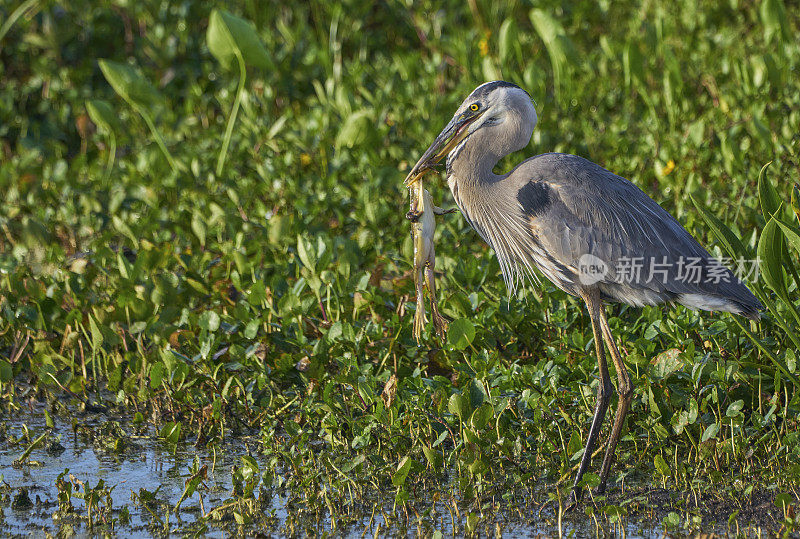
(147, 463)
(151, 464)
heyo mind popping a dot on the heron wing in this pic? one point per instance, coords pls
(577, 209)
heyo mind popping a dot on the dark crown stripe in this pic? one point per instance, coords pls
(486, 89)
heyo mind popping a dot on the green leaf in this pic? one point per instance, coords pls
(679, 422)
(791, 232)
(477, 395)
(441, 437)
(258, 294)
(590, 480)
(767, 195)
(399, 477)
(103, 115)
(460, 333)
(459, 405)
(559, 47)
(123, 228)
(156, 375)
(784, 500)
(306, 252)
(666, 363)
(478, 466)
(471, 436)
(130, 85)
(123, 265)
(615, 512)
(575, 444)
(355, 129)
(507, 39)
(235, 43)
(171, 432)
(209, 320)
(353, 464)
(633, 64)
(773, 17)
(435, 458)
(229, 36)
(191, 487)
(249, 468)
(97, 335)
(693, 411)
(772, 357)
(725, 235)
(770, 249)
(734, 408)
(661, 466)
(251, 329)
(672, 520)
(472, 523)
(199, 228)
(482, 415)
(795, 201)
(6, 372)
(711, 432)
(141, 95)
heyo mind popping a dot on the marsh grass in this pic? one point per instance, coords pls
(228, 256)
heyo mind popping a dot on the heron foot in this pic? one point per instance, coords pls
(573, 504)
(574, 499)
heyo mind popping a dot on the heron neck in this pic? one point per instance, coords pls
(473, 163)
(471, 180)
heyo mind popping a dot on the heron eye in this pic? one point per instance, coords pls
(474, 107)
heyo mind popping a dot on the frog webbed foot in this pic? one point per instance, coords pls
(413, 216)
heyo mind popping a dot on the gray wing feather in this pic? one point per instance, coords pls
(590, 210)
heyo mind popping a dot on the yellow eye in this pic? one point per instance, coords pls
(474, 107)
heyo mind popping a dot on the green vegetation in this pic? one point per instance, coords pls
(202, 230)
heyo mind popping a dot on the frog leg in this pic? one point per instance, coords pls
(419, 313)
(439, 323)
(441, 211)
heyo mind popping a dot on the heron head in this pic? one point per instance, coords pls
(499, 110)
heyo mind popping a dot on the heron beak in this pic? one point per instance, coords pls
(453, 133)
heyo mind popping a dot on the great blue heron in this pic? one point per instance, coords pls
(594, 234)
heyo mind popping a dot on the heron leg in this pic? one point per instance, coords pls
(604, 391)
(625, 392)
